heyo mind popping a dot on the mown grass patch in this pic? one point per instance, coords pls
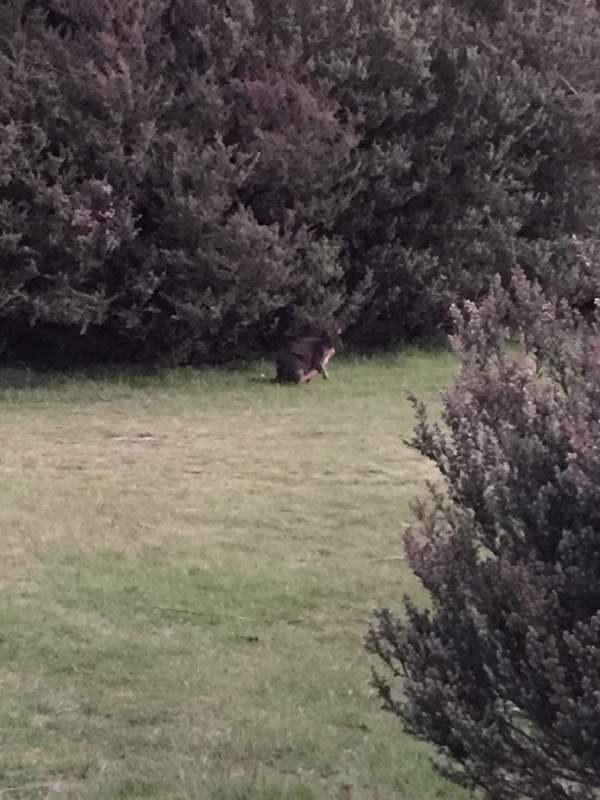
(190, 561)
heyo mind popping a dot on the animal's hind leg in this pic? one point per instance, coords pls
(289, 370)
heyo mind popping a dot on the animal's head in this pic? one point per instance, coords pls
(332, 340)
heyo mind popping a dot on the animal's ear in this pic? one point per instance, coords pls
(339, 331)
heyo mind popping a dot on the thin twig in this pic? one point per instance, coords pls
(388, 558)
(198, 613)
(568, 85)
(312, 559)
(25, 786)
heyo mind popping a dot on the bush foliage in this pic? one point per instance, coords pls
(185, 178)
(502, 673)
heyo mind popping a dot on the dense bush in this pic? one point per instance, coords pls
(502, 672)
(185, 179)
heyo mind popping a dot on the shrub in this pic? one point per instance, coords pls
(502, 672)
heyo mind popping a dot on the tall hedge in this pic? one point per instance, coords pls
(187, 179)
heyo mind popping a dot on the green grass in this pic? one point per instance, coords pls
(190, 559)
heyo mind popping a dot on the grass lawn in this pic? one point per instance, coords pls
(188, 564)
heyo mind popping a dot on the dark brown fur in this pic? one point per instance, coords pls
(302, 358)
